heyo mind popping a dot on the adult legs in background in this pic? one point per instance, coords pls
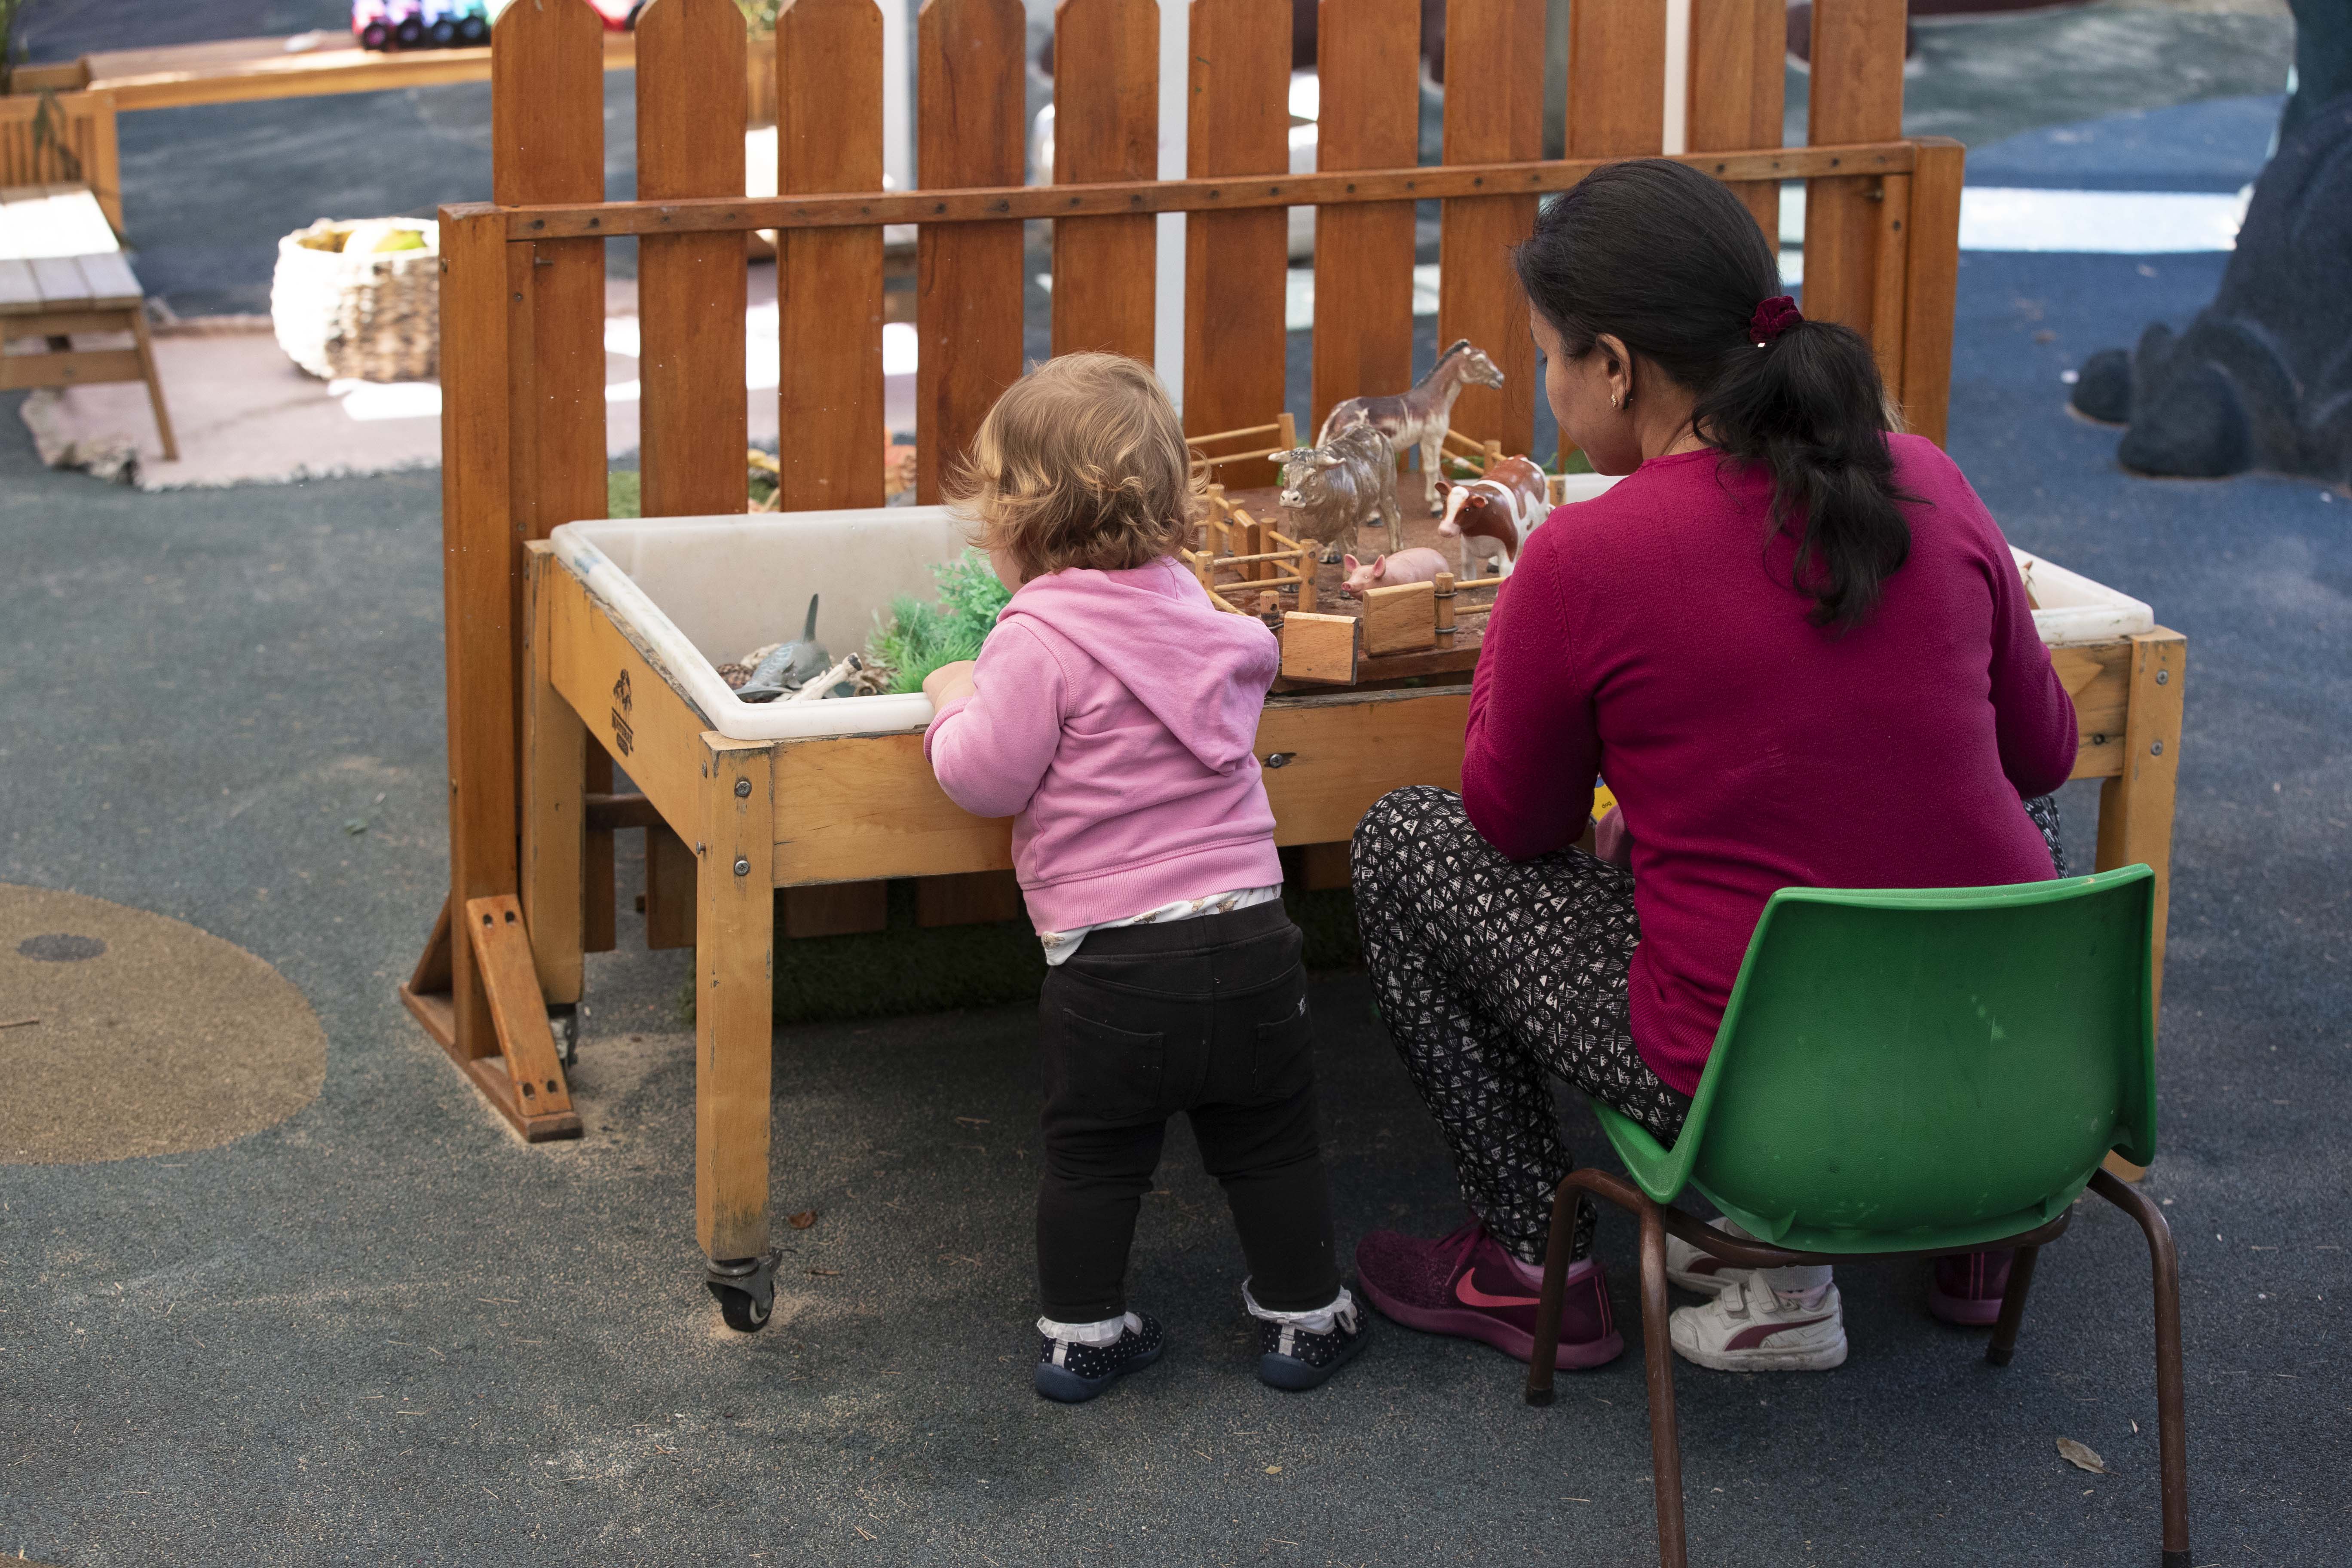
(1494, 976)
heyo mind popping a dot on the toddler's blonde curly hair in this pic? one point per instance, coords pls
(1081, 463)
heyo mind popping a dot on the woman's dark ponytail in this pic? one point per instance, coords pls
(1670, 263)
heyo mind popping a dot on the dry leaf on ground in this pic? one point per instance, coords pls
(2082, 1458)
(804, 1220)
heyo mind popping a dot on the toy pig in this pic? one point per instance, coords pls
(1419, 564)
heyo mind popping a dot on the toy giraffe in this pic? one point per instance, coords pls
(1423, 415)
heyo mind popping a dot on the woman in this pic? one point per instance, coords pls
(1797, 649)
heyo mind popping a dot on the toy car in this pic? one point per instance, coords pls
(457, 24)
(387, 24)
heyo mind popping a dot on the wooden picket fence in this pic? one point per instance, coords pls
(522, 300)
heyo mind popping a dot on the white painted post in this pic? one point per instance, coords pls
(1175, 99)
(898, 101)
(1677, 117)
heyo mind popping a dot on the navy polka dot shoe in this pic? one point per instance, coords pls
(1073, 1373)
(1294, 1356)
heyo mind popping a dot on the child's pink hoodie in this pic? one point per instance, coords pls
(1114, 717)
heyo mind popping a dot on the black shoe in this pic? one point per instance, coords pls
(1294, 1359)
(1074, 1374)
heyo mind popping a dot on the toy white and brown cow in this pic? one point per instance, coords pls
(1492, 514)
(1329, 489)
(1420, 416)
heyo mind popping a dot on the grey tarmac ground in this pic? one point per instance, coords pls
(382, 1330)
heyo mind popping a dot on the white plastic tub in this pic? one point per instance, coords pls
(2073, 609)
(694, 592)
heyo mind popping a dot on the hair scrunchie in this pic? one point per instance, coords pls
(1773, 318)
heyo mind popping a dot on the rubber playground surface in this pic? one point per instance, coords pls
(378, 1329)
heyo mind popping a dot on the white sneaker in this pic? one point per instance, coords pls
(1702, 1272)
(1756, 1328)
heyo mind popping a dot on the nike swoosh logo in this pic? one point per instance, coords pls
(1748, 1339)
(1470, 1296)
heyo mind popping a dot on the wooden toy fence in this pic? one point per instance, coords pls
(522, 290)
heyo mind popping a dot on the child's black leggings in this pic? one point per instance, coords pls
(1208, 1017)
(1496, 975)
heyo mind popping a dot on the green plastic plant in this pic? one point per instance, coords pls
(917, 637)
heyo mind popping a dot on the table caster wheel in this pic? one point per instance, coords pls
(746, 1290)
(563, 1023)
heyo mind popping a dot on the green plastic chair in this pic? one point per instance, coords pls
(1905, 1072)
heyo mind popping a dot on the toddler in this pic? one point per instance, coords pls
(1112, 713)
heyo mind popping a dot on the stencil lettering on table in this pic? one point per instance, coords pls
(623, 736)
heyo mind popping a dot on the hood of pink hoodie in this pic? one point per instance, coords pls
(1199, 671)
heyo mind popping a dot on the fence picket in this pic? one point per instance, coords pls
(1931, 261)
(829, 282)
(1737, 90)
(522, 431)
(1235, 262)
(546, 130)
(1368, 69)
(1487, 47)
(1105, 127)
(1617, 79)
(690, 287)
(547, 119)
(477, 615)
(1857, 96)
(970, 118)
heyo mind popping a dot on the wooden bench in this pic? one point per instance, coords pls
(62, 274)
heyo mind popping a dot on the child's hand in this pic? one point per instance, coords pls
(948, 683)
(1610, 840)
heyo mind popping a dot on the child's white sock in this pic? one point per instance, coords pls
(1317, 1321)
(1106, 1332)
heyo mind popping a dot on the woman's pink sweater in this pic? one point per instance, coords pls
(1114, 717)
(1651, 637)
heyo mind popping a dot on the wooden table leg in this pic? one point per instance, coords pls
(554, 795)
(154, 383)
(2136, 806)
(734, 1000)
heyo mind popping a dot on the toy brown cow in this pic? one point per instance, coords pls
(1328, 490)
(1492, 514)
(1422, 416)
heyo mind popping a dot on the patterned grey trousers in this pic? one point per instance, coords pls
(1494, 976)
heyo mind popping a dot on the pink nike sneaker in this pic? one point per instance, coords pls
(1968, 1286)
(1467, 1286)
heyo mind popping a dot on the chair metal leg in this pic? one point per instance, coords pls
(1658, 1359)
(2012, 1307)
(1556, 1266)
(2171, 1415)
(1556, 1246)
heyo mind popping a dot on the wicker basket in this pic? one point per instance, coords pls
(367, 318)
